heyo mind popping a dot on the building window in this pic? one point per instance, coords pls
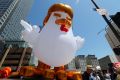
(0, 23)
(5, 15)
(2, 19)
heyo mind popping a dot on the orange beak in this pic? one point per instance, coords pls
(65, 24)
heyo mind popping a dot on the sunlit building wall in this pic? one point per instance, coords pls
(112, 40)
(80, 61)
(92, 60)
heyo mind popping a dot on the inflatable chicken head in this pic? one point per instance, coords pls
(61, 14)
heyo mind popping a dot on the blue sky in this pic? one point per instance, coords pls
(86, 22)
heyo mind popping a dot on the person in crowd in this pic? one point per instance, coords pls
(118, 73)
(86, 74)
(94, 76)
(113, 74)
(100, 74)
(107, 76)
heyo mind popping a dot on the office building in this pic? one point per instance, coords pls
(80, 62)
(92, 60)
(11, 13)
(113, 40)
(105, 61)
(71, 65)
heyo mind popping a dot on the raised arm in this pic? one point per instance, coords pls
(30, 33)
(26, 25)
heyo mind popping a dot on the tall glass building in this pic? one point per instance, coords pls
(11, 12)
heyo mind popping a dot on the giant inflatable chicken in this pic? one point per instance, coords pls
(55, 44)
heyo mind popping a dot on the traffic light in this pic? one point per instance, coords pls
(116, 51)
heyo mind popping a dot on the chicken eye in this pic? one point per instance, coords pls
(57, 15)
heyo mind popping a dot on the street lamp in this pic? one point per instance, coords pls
(107, 21)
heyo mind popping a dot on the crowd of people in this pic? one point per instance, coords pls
(110, 74)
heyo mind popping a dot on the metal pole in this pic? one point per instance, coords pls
(109, 23)
(22, 59)
(5, 55)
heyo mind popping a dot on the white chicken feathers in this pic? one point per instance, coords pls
(30, 33)
(45, 46)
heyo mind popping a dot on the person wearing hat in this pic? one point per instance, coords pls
(86, 74)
